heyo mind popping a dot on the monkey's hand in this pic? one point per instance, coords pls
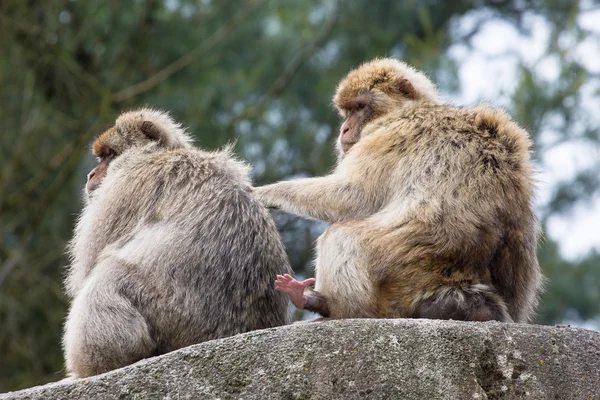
(264, 195)
(294, 289)
(329, 198)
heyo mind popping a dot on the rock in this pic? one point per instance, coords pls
(361, 359)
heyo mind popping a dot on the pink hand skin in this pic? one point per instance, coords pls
(294, 289)
(301, 295)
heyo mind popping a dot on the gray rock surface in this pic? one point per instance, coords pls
(361, 359)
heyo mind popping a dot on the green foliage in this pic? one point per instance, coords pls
(572, 289)
(259, 72)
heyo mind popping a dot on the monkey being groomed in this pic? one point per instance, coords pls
(430, 207)
(171, 249)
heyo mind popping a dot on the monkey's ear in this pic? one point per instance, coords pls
(150, 130)
(407, 89)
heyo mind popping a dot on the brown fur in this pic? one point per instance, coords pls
(430, 205)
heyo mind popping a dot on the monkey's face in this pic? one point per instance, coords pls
(374, 89)
(115, 141)
(367, 104)
(356, 114)
(145, 128)
(94, 178)
(105, 149)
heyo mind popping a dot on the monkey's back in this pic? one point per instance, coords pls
(464, 211)
(201, 252)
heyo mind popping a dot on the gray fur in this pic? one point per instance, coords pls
(172, 249)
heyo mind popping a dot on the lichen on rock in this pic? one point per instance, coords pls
(361, 359)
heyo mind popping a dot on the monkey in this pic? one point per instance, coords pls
(429, 206)
(171, 249)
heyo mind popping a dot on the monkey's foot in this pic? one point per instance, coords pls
(294, 289)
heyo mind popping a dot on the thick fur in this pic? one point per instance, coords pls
(431, 210)
(171, 249)
(379, 75)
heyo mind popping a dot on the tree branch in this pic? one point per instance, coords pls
(291, 69)
(187, 58)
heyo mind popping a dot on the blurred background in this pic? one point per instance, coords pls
(262, 73)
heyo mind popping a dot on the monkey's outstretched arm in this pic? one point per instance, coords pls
(329, 198)
(301, 295)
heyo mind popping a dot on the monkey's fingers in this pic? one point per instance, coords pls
(288, 281)
(284, 285)
(288, 284)
(284, 279)
(307, 282)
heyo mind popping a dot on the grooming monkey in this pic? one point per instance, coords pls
(171, 249)
(429, 205)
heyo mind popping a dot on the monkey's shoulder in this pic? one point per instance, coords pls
(498, 125)
(187, 163)
(481, 122)
(462, 127)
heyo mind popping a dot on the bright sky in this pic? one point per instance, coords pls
(489, 73)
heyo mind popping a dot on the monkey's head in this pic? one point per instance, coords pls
(373, 90)
(134, 129)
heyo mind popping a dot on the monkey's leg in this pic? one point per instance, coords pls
(329, 198)
(301, 295)
(104, 331)
(473, 303)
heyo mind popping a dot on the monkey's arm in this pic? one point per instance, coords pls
(301, 295)
(329, 198)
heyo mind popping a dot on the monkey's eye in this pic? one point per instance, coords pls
(109, 154)
(359, 106)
